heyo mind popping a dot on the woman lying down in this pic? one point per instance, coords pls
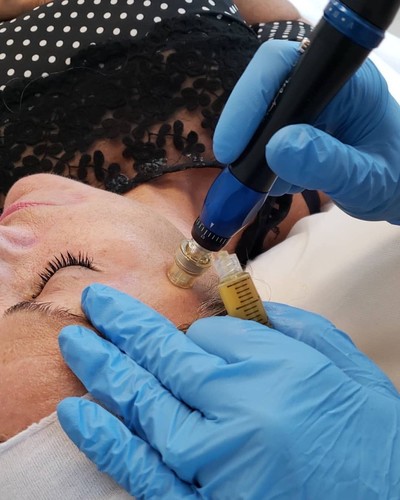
(134, 118)
(126, 125)
(138, 122)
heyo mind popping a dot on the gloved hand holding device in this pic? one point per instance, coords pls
(233, 409)
(352, 153)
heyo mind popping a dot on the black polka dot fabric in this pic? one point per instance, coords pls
(44, 40)
(283, 30)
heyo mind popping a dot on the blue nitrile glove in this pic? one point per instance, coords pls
(359, 168)
(232, 409)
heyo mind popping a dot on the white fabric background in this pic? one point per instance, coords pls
(41, 463)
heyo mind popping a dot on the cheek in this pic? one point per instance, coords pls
(66, 287)
(153, 289)
(136, 282)
(133, 269)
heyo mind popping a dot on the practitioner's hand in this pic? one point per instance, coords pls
(231, 410)
(354, 157)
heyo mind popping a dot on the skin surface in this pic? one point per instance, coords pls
(13, 8)
(253, 11)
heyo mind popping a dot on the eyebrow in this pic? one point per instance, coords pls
(48, 309)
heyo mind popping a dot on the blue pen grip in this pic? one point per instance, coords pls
(229, 206)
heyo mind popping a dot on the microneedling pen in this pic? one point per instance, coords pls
(342, 40)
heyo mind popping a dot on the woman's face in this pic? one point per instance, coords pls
(56, 237)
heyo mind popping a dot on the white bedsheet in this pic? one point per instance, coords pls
(345, 269)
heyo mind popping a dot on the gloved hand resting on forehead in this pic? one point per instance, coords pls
(353, 154)
(231, 410)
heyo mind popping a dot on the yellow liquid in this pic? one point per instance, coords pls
(242, 300)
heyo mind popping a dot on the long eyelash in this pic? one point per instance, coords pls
(64, 260)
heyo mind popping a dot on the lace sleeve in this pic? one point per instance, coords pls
(152, 104)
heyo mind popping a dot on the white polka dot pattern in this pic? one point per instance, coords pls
(52, 34)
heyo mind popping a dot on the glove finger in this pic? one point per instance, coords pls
(154, 343)
(281, 187)
(237, 340)
(125, 388)
(146, 406)
(305, 156)
(252, 96)
(129, 460)
(322, 335)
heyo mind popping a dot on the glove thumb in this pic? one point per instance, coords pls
(305, 156)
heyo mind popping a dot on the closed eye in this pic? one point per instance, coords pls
(64, 260)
